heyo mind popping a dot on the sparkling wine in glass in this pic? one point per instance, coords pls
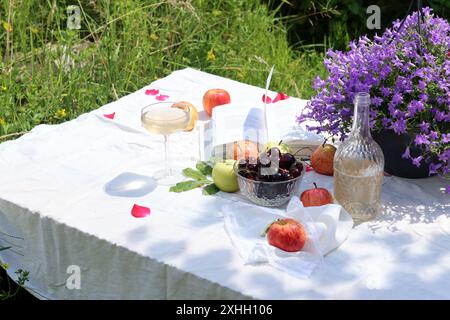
(162, 118)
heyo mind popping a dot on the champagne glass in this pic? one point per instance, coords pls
(162, 118)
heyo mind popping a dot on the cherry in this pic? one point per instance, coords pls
(299, 166)
(252, 167)
(248, 174)
(242, 164)
(295, 172)
(286, 160)
(286, 174)
(263, 178)
(252, 176)
(277, 177)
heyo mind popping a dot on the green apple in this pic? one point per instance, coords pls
(224, 177)
(284, 148)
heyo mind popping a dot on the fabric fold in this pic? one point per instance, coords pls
(326, 226)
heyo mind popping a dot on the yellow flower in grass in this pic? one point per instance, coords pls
(154, 36)
(7, 26)
(34, 30)
(216, 13)
(210, 55)
(2, 121)
(61, 113)
(4, 88)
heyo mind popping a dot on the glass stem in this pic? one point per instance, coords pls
(167, 167)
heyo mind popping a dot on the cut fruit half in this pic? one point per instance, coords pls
(187, 106)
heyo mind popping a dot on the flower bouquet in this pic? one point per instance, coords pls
(406, 70)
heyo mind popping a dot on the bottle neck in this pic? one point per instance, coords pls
(361, 120)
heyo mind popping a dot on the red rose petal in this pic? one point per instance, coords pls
(266, 99)
(309, 168)
(140, 211)
(110, 116)
(280, 96)
(162, 97)
(151, 92)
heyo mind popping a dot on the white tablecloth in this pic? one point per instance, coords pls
(55, 213)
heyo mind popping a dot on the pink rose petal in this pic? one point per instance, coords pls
(266, 99)
(162, 97)
(139, 211)
(280, 96)
(309, 168)
(110, 116)
(151, 92)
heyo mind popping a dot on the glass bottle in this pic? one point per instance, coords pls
(359, 166)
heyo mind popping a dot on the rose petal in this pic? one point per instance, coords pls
(151, 92)
(280, 96)
(309, 168)
(266, 99)
(139, 211)
(110, 115)
(162, 97)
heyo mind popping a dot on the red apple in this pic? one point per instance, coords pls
(286, 234)
(316, 197)
(322, 159)
(213, 98)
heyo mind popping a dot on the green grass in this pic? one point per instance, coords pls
(124, 45)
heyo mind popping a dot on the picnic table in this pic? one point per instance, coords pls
(58, 216)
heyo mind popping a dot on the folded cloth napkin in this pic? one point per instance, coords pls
(326, 227)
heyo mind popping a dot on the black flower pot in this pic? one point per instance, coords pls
(393, 146)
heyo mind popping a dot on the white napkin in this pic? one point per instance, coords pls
(326, 226)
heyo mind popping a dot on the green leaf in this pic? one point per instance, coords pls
(188, 185)
(194, 174)
(204, 168)
(210, 189)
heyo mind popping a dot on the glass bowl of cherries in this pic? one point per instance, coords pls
(271, 179)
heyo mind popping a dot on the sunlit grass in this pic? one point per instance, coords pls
(50, 74)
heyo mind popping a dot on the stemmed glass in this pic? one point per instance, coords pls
(163, 118)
